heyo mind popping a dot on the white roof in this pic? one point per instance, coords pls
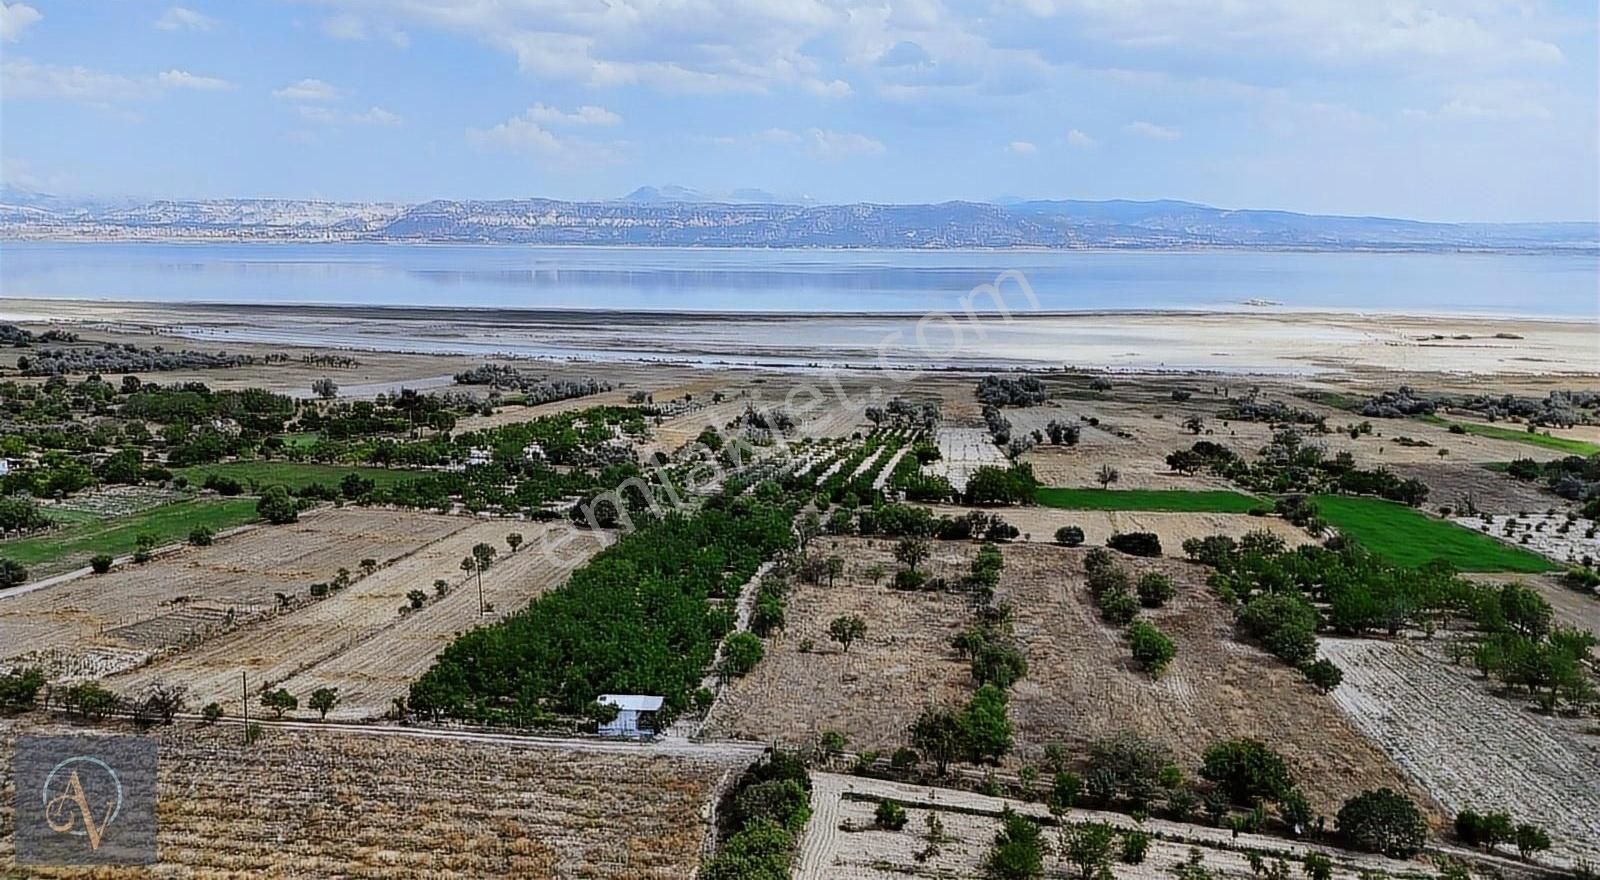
(632, 702)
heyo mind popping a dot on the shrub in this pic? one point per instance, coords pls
(1152, 650)
(101, 563)
(1117, 606)
(1323, 674)
(1155, 589)
(889, 816)
(277, 507)
(1382, 821)
(1136, 543)
(19, 688)
(741, 651)
(211, 714)
(201, 536)
(1018, 850)
(1069, 536)
(783, 802)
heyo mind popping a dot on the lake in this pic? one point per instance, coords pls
(704, 280)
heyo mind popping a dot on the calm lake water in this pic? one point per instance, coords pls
(662, 279)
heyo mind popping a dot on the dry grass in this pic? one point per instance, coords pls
(324, 804)
(95, 625)
(357, 639)
(1039, 524)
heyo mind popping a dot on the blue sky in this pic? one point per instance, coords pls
(1453, 109)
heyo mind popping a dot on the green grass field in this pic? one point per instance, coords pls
(291, 473)
(72, 546)
(1521, 435)
(1176, 500)
(1409, 537)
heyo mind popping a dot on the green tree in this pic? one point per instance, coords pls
(101, 563)
(276, 506)
(741, 651)
(279, 701)
(1018, 851)
(1247, 771)
(514, 541)
(1069, 536)
(937, 734)
(846, 630)
(1087, 847)
(1107, 475)
(1155, 589)
(910, 552)
(1382, 821)
(144, 547)
(1152, 649)
(19, 688)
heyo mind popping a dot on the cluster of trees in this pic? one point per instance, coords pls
(21, 515)
(1274, 412)
(1490, 830)
(1012, 391)
(643, 616)
(1574, 477)
(905, 413)
(991, 485)
(124, 358)
(1289, 465)
(1119, 597)
(1561, 408)
(764, 814)
(534, 389)
(1399, 404)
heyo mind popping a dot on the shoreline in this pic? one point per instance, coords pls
(649, 315)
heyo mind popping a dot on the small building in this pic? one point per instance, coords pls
(636, 715)
(5, 466)
(479, 456)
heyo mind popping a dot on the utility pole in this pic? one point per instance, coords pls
(244, 700)
(478, 567)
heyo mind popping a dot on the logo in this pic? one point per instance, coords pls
(85, 800)
(67, 805)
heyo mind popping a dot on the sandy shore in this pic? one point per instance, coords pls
(1234, 342)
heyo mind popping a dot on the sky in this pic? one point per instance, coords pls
(1444, 110)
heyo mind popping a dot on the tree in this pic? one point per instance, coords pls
(279, 701)
(325, 388)
(846, 629)
(144, 547)
(1247, 771)
(323, 699)
(1136, 543)
(1018, 851)
(807, 529)
(100, 563)
(1069, 536)
(834, 565)
(201, 536)
(19, 688)
(1323, 674)
(276, 506)
(484, 554)
(1317, 866)
(12, 573)
(417, 598)
(211, 714)
(910, 552)
(1382, 821)
(741, 651)
(986, 730)
(937, 734)
(441, 587)
(1107, 475)
(1531, 839)
(159, 701)
(514, 541)
(1087, 846)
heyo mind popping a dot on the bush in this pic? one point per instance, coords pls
(889, 816)
(101, 563)
(1117, 606)
(741, 651)
(201, 536)
(211, 714)
(19, 688)
(1136, 543)
(1382, 821)
(1018, 850)
(1134, 846)
(1152, 650)
(277, 507)
(1069, 536)
(783, 802)
(1323, 674)
(1155, 589)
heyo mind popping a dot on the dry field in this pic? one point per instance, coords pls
(1039, 524)
(324, 804)
(830, 852)
(1469, 747)
(357, 639)
(97, 624)
(874, 692)
(1080, 686)
(1455, 484)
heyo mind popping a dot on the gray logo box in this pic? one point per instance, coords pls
(86, 800)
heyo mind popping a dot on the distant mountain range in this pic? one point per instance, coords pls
(675, 216)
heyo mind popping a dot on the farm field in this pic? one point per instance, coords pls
(325, 803)
(1410, 537)
(1471, 748)
(1179, 500)
(101, 623)
(1552, 441)
(1039, 524)
(293, 474)
(1496, 493)
(1081, 684)
(71, 547)
(961, 452)
(357, 639)
(840, 842)
(1550, 535)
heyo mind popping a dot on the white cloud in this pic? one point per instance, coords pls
(376, 116)
(16, 18)
(25, 79)
(330, 116)
(1076, 138)
(822, 142)
(1022, 148)
(1152, 131)
(179, 18)
(307, 90)
(588, 114)
(837, 88)
(524, 135)
(346, 26)
(183, 79)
